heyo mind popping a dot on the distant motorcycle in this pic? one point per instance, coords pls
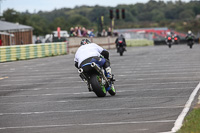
(190, 41)
(169, 41)
(97, 80)
(120, 47)
(176, 40)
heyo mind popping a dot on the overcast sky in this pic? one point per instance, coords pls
(48, 5)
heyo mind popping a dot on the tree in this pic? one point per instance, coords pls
(11, 15)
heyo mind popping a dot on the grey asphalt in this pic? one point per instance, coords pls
(46, 95)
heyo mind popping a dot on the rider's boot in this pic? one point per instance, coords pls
(109, 74)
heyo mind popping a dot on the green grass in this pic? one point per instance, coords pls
(191, 123)
(139, 42)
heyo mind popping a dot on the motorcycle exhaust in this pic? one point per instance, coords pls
(99, 71)
(82, 75)
(80, 70)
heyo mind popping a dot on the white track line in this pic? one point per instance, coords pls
(74, 93)
(135, 79)
(179, 121)
(89, 110)
(85, 93)
(65, 101)
(193, 81)
(87, 124)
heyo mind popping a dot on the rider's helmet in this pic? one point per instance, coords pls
(189, 32)
(169, 33)
(85, 41)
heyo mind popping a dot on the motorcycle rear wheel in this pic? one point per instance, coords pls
(121, 50)
(97, 86)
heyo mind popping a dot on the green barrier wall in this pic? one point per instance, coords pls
(142, 42)
(22, 52)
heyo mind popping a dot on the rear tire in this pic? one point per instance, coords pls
(121, 50)
(98, 89)
(191, 46)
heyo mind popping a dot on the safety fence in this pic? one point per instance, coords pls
(22, 52)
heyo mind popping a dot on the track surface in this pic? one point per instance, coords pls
(47, 96)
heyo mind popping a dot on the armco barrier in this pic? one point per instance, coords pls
(139, 42)
(21, 52)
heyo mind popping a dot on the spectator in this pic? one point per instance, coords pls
(76, 31)
(91, 34)
(79, 32)
(72, 33)
(104, 33)
(84, 32)
(1, 42)
(109, 32)
(38, 40)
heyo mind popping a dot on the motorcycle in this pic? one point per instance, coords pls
(190, 41)
(96, 80)
(120, 47)
(176, 41)
(169, 41)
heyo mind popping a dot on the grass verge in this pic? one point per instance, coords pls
(191, 123)
(139, 42)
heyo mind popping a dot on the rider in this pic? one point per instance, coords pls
(168, 35)
(91, 52)
(189, 36)
(120, 38)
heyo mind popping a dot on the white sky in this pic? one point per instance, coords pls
(48, 5)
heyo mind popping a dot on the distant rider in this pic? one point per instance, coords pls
(120, 38)
(190, 36)
(91, 52)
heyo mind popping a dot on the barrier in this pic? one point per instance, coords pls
(22, 52)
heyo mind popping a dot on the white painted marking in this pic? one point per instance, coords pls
(90, 110)
(82, 82)
(85, 93)
(87, 124)
(179, 121)
(39, 79)
(64, 88)
(158, 83)
(37, 89)
(161, 97)
(43, 83)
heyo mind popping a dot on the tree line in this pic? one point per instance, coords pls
(178, 15)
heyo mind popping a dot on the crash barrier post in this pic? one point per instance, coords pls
(139, 42)
(22, 52)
